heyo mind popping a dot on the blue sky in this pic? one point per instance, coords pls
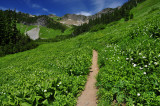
(60, 7)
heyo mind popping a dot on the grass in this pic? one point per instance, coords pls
(143, 8)
(49, 33)
(45, 33)
(24, 28)
(128, 61)
(42, 77)
(56, 19)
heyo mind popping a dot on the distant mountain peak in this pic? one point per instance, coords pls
(52, 15)
(74, 19)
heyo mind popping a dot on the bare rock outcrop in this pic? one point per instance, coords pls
(33, 33)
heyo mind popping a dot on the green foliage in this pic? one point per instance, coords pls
(131, 16)
(126, 18)
(32, 20)
(53, 77)
(153, 9)
(11, 40)
(48, 33)
(55, 73)
(24, 28)
(116, 15)
(97, 28)
(56, 18)
(129, 68)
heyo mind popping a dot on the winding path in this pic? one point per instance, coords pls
(88, 96)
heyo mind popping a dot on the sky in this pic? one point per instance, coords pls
(60, 7)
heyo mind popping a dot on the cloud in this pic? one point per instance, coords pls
(44, 9)
(36, 6)
(3, 8)
(84, 13)
(115, 4)
(30, 4)
(98, 4)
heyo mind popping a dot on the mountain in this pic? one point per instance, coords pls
(104, 11)
(55, 73)
(52, 15)
(73, 19)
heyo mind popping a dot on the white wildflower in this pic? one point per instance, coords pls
(60, 83)
(138, 94)
(149, 64)
(140, 53)
(131, 58)
(159, 55)
(143, 57)
(156, 63)
(127, 58)
(141, 68)
(144, 73)
(134, 65)
(145, 66)
(45, 90)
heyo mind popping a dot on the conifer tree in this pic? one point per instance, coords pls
(131, 16)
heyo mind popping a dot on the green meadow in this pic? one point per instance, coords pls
(54, 74)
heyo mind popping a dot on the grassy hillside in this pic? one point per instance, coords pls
(145, 7)
(56, 19)
(45, 33)
(54, 75)
(129, 57)
(48, 33)
(24, 28)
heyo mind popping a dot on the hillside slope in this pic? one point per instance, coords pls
(129, 58)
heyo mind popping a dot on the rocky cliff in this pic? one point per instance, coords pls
(73, 19)
(104, 11)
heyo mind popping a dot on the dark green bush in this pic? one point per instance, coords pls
(97, 27)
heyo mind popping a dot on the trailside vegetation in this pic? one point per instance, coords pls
(11, 40)
(55, 73)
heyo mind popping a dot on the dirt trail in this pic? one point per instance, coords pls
(34, 33)
(89, 97)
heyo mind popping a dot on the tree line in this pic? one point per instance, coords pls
(119, 13)
(11, 40)
(27, 19)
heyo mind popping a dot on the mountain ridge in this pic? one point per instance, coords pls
(77, 20)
